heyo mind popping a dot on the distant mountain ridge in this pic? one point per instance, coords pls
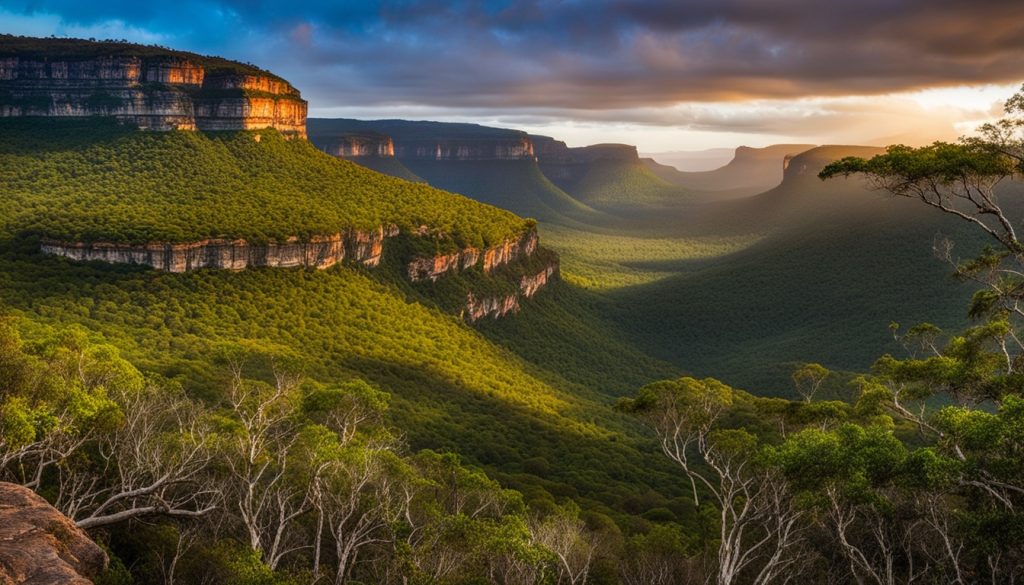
(751, 171)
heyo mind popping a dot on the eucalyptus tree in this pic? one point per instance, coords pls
(761, 529)
(972, 501)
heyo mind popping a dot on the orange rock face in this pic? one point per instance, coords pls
(153, 92)
(364, 247)
(41, 546)
(433, 267)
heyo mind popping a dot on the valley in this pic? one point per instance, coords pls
(243, 345)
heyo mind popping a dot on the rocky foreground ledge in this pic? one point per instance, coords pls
(41, 546)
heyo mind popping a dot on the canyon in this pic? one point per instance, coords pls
(151, 89)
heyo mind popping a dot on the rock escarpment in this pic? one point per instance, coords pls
(41, 546)
(466, 149)
(565, 165)
(354, 145)
(364, 247)
(499, 306)
(428, 141)
(356, 246)
(150, 88)
(432, 268)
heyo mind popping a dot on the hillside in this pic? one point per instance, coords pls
(612, 178)
(94, 180)
(394, 322)
(839, 264)
(751, 171)
(492, 165)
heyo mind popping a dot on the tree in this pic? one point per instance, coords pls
(760, 527)
(969, 478)
(83, 425)
(808, 379)
(574, 545)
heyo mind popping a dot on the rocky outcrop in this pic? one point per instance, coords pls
(151, 90)
(41, 546)
(549, 150)
(428, 141)
(364, 247)
(466, 149)
(499, 306)
(564, 165)
(433, 267)
(589, 154)
(494, 307)
(530, 284)
(356, 145)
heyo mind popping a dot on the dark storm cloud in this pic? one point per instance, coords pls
(585, 54)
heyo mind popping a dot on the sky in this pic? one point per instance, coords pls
(670, 75)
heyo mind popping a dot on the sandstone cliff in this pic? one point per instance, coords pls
(564, 166)
(354, 145)
(357, 246)
(465, 149)
(428, 141)
(499, 306)
(431, 268)
(364, 247)
(41, 546)
(549, 150)
(153, 89)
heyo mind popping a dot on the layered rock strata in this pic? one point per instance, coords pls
(356, 145)
(433, 267)
(41, 546)
(364, 247)
(466, 149)
(499, 306)
(153, 92)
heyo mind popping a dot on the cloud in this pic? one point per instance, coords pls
(639, 62)
(591, 54)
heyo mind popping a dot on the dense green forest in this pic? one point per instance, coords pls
(95, 180)
(787, 387)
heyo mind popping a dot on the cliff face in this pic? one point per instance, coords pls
(363, 247)
(356, 145)
(154, 92)
(41, 546)
(432, 268)
(318, 252)
(516, 148)
(589, 154)
(497, 307)
(563, 165)
(549, 150)
(426, 141)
